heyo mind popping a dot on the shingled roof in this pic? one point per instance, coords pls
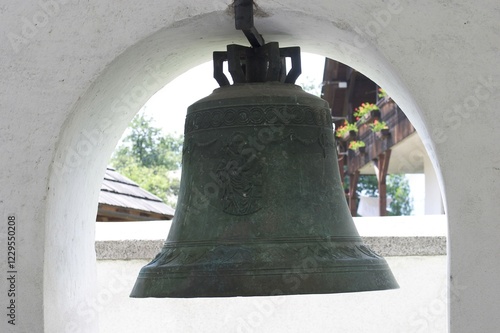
(121, 199)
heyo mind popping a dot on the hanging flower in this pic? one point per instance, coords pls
(363, 109)
(377, 126)
(355, 145)
(382, 93)
(346, 128)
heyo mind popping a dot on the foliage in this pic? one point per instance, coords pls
(363, 109)
(398, 189)
(355, 145)
(377, 126)
(149, 158)
(346, 128)
(158, 180)
(310, 85)
(368, 185)
(149, 146)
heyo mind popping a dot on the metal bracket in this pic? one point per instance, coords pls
(263, 64)
(259, 63)
(243, 16)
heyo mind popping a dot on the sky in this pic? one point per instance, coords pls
(169, 105)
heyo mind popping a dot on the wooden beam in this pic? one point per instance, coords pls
(353, 184)
(351, 85)
(341, 162)
(383, 166)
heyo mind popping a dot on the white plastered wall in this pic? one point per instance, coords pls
(70, 85)
(433, 201)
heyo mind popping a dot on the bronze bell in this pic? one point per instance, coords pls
(261, 208)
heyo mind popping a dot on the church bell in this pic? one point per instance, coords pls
(261, 208)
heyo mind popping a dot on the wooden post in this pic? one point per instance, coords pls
(341, 162)
(353, 184)
(383, 165)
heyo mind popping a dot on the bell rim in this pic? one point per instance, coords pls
(231, 286)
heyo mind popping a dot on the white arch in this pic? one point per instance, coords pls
(102, 114)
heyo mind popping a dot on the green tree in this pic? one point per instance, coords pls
(367, 185)
(309, 84)
(150, 158)
(149, 146)
(398, 189)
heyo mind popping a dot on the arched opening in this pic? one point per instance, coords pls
(120, 312)
(102, 114)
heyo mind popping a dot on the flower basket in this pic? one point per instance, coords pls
(383, 97)
(360, 151)
(358, 147)
(383, 134)
(385, 100)
(369, 117)
(349, 136)
(366, 113)
(347, 132)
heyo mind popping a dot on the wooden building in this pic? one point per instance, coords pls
(397, 150)
(120, 199)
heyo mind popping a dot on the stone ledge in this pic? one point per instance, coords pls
(385, 246)
(128, 249)
(407, 246)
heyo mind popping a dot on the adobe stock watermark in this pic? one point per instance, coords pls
(88, 310)
(32, 24)
(411, 161)
(373, 28)
(266, 307)
(455, 116)
(90, 138)
(427, 317)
